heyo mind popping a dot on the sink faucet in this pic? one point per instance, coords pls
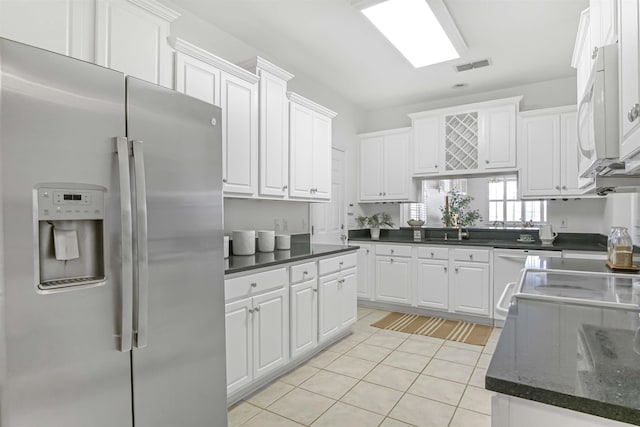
(462, 233)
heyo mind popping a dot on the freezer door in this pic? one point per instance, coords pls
(59, 350)
(179, 362)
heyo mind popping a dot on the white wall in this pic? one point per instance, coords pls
(250, 214)
(553, 93)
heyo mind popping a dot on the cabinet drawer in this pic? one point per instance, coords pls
(393, 250)
(304, 272)
(433, 253)
(254, 283)
(339, 263)
(475, 255)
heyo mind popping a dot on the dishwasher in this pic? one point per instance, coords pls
(507, 268)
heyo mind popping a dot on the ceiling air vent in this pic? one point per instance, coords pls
(473, 65)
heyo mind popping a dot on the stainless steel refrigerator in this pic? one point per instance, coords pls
(111, 264)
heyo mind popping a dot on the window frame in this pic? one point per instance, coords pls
(543, 208)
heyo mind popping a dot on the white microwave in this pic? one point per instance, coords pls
(597, 121)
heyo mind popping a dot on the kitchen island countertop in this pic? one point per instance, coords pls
(576, 357)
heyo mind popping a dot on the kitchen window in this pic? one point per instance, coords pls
(506, 208)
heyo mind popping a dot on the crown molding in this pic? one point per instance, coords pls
(299, 99)
(259, 63)
(183, 46)
(157, 9)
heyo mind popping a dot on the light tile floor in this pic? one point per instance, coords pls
(378, 378)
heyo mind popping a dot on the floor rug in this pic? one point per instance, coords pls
(454, 330)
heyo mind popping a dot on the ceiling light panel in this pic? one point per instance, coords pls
(412, 27)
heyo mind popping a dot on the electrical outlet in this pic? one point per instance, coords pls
(564, 223)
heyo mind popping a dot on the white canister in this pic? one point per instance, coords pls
(244, 242)
(283, 242)
(266, 240)
(226, 246)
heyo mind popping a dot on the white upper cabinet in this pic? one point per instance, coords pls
(205, 76)
(549, 154)
(64, 26)
(310, 149)
(427, 140)
(629, 73)
(384, 171)
(466, 139)
(273, 134)
(604, 28)
(131, 36)
(497, 137)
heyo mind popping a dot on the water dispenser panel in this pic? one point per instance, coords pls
(67, 204)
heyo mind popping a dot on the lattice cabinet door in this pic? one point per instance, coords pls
(461, 141)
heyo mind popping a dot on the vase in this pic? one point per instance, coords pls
(375, 233)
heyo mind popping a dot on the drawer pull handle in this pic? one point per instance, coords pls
(456, 270)
(304, 273)
(341, 263)
(470, 256)
(391, 250)
(432, 254)
(254, 284)
(445, 269)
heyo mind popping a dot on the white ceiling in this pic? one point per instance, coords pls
(527, 41)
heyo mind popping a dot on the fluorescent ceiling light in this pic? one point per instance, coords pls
(414, 30)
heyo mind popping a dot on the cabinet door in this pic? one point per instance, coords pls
(328, 307)
(270, 331)
(540, 173)
(301, 151)
(603, 22)
(370, 167)
(65, 27)
(498, 137)
(395, 167)
(321, 157)
(427, 139)
(198, 79)
(348, 299)
(134, 40)
(471, 288)
(433, 284)
(239, 342)
(239, 102)
(303, 317)
(364, 289)
(274, 136)
(393, 279)
(629, 75)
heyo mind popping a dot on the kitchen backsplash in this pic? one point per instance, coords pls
(283, 217)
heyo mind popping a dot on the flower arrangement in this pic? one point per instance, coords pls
(456, 210)
(375, 221)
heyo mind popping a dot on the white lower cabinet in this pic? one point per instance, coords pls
(257, 331)
(366, 271)
(433, 284)
(471, 287)
(304, 317)
(337, 303)
(393, 279)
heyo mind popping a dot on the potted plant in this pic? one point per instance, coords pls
(374, 222)
(455, 211)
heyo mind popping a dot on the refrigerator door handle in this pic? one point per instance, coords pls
(142, 282)
(122, 149)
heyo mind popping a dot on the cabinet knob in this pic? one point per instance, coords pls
(470, 256)
(446, 269)
(315, 290)
(633, 114)
(367, 251)
(564, 187)
(380, 193)
(486, 161)
(436, 166)
(557, 187)
(391, 250)
(254, 284)
(432, 254)
(256, 309)
(384, 194)
(456, 269)
(304, 273)
(341, 263)
(284, 187)
(224, 180)
(391, 260)
(251, 310)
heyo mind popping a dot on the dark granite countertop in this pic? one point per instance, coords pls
(299, 251)
(578, 357)
(492, 238)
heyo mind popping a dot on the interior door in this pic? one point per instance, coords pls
(179, 376)
(328, 220)
(60, 350)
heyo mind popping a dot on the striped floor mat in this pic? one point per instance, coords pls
(454, 330)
